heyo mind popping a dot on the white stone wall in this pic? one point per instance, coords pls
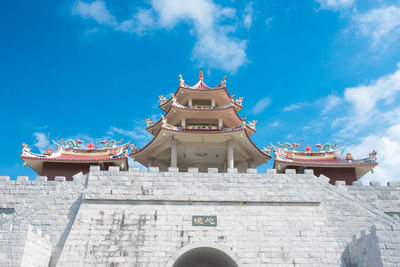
(37, 250)
(265, 219)
(386, 198)
(47, 205)
(137, 218)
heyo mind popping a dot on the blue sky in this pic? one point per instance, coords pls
(318, 71)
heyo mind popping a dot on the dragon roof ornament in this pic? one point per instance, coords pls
(163, 99)
(326, 147)
(289, 146)
(110, 143)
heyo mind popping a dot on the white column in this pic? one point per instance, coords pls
(220, 123)
(250, 163)
(174, 153)
(190, 102)
(230, 160)
(183, 122)
(213, 102)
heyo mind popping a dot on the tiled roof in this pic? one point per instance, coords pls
(328, 158)
(64, 153)
(328, 162)
(80, 158)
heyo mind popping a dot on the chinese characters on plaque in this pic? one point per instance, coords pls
(204, 221)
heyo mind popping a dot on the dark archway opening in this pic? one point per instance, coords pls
(205, 257)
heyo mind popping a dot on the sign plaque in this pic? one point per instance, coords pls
(204, 221)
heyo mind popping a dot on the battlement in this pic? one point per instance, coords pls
(77, 178)
(132, 170)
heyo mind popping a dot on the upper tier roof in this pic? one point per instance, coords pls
(201, 85)
(200, 91)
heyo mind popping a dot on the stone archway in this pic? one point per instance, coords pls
(204, 254)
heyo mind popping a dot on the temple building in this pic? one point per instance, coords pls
(70, 158)
(327, 160)
(201, 128)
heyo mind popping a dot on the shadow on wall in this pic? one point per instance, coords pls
(363, 251)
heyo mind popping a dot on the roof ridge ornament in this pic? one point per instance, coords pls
(223, 82)
(162, 98)
(149, 122)
(201, 76)
(252, 124)
(290, 147)
(326, 147)
(239, 101)
(181, 81)
(110, 143)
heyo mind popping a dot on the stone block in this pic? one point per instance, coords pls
(154, 169)
(4, 178)
(60, 179)
(41, 178)
(79, 177)
(134, 169)
(394, 184)
(338, 183)
(290, 171)
(212, 170)
(22, 178)
(374, 183)
(193, 170)
(309, 171)
(324, 179)
(271, 171)
(113, 169)
(251, 170)
(94, 168)
(231, 170)
(173, 169)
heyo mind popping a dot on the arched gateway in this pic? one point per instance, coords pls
(204, 254)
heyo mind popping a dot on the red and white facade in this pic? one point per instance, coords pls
(201, 128)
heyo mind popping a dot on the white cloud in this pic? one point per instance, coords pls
(96, 10)
(268, 22)
(372, 102)
(248, 14)
(387, 144)
(329, 103)
(42, 142)
(260, 106)
(138, 133)
(210, 23)
(372, 114)
(335, 4)
(293, 107)
(381, 25)
(275, 124)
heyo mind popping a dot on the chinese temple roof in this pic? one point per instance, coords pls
(326, 156)
(71, 151)
(239, 133)
(201, 85)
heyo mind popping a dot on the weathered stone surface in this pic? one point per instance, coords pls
(133, 218)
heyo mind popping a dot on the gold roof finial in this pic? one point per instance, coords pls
(201, 77)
